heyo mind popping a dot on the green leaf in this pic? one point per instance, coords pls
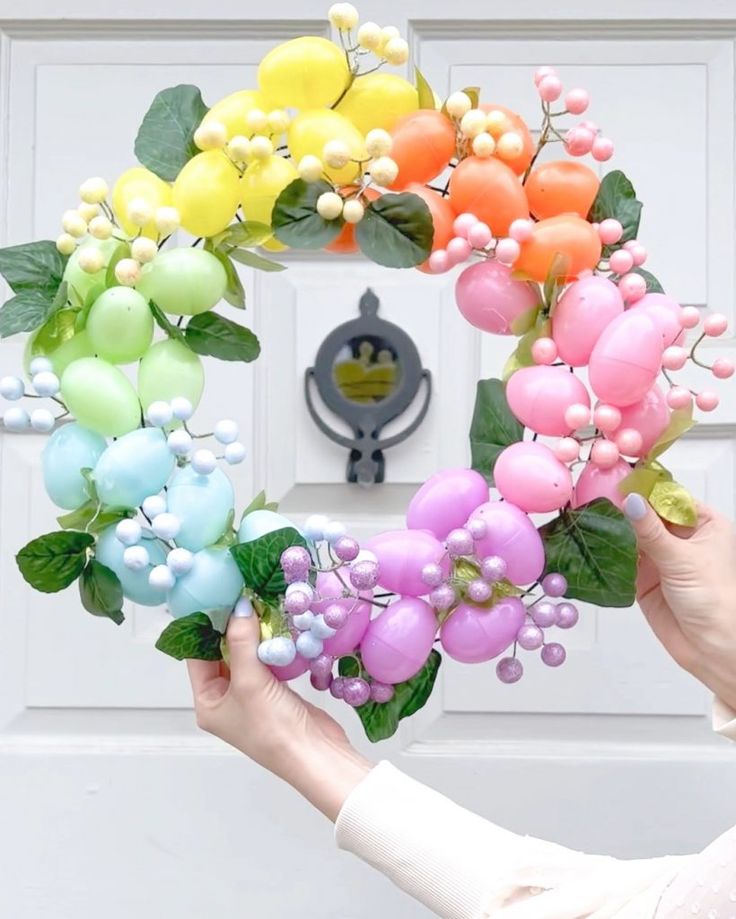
(229, 536)
(101, 592)
(295, 219)
(522, 356)
(260, 503)
(37, 266)
(681, 421)
(594, 547)
(165, 141)
(396, 230)
(555, 281)
(162, 322)
(381, 720)
(58, 328)
(674, 503)
(641, 480)
(424, 90)
(616, 198)
(653, 285)
(253, 260)
(91, 517)
(211, 334)
(259, 561)
(246, 233)
(234, 293)
(25, 312)
(51, 562)
(121, 251)
(493, 427)
(192, 637)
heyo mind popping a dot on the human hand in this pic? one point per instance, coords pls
(687, 590)
(246, 706)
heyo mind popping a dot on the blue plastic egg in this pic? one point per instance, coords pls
(258, 523)
(134, 583)
(70, 449)
(212, 583)
(202, 503)
(136, 465)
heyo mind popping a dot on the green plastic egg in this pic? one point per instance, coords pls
(90, 286)
(183, 281)
(100, 397)
(169, 369)
(120, 325)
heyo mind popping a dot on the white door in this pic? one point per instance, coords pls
(110, 800)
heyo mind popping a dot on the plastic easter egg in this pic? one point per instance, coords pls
(401, 556)
(561, 187)
(207, 193)
(442, 215)
(311, 130)
(423, 145)
(530, 476)
(212, 583)
(514, 122)
(489, 189)
(492, 300)
(232, 111)
(68, 450)
(184, 281)
(291, 671)
(69, 351)
(378, 100)
(134, 466)
(167, 370)
(100, 397)
(262, 183)
(88, 285)
(595, 482)
(202, 503)
(540, 396)
(120, 325)
(346, 639)
(259, 523)
(585, 309)
(568, 236)
(344, 243)
(513, 537)
(397, 643)
(446, 500)
(305, 72)
(135, 183)
(472, 634)
(109, 552)
(650, 417)
(626, 359)
(666, 314)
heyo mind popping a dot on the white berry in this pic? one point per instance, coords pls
(496, 122)
(16, 419)
(303, 621)
(90, 259)
(74, 224)
(483, 145)
(378, 142)
(153, 505)
(42, 420)
(277, 652)
(100, 227)
(94, 190)
(315, 527)
(343, 15)
(336, 153)
(88, 211)
(212, 135)
(159, 413)
(179, 442)
(473, 122)
(40, 365)
(334, 531)
(261, 147)
(161, 578)
(384, 170)
(180, 561)
(226, 431)
(235, 453)
(11, 388)
(136, 558)
(310, 168)
(369, 36)
(396, 51)
(167, 220)
(129, 532)
(239, 148)
(127, 272)
(353, 211)
(143, 249)
(182, 408)
(329, 205)
(256, 121)
(309, 646)
(278, 121)
(301, 587)
(204, 462)
(66, 244)
(46, 383)
(458, 104)
(140, 212)
(320, 629)
(166, 526)
(509, 145)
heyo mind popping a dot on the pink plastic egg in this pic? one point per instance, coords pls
(473, 635)
(595, 482)
(446, 500)
(530, 476)
(291, 671)
(540, 396)
(626, 359)
(512, 536)
(650, 416)
(398, 642)
(401, 556)
(491, 299)
(585, 309)
(666, 314)
(329, 587)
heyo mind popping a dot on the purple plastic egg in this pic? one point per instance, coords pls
(513, 537)
(649, 416)
(595, 482)
(540, 396)
(398, 642)
(291, 671)
(347, 638)
(473, 635)
(529, 475)
(626, 359)
(582, 313)
(402, 554)
(446, 500)
(666, 314)
(492, 300)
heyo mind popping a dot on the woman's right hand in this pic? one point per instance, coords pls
(687, 590)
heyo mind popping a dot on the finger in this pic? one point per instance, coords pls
(653, 537)
(243, 638)
(207, 682)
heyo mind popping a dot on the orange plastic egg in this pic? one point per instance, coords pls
(566, 235)
(561, 187)
(344, 243)
(423, 145)
(515, 123)
(490, 190)
(443, 217)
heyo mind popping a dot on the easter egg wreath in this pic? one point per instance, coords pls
(331, 152)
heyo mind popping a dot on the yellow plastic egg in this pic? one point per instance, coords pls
(378, 100)
(262, 183)
(311, 130)
(207, 193)
(136, 183)
(232, 111)
(306, 72)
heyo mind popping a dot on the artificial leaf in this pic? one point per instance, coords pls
(234, 293)
(616, 198)
(211, 334)
(674, 503)
(681, 421)
(295, 219)
(229, 536)
(25, 312)
(53, 561)
(247, 233)
(260, 503)
(522, 355)
(253, 260)
(594, 547)
(58, 328)
(165, 140)
(162, 322)
(641, 480)
(91, 517)
(259, 560)
(493, 427)
(101, 592)
(121, 251)
(555, 281)
(424, 90)
(396, 230)
(192, 637)
(37, 266)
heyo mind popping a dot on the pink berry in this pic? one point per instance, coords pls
(439, 262)
(479, 235)
(577, 416)
(629, 441)
(632, 287)
(521, 229)
(577, 101)
(589, 126)
(543, 72)
(621, 261)
(723, 368)
(715, 325)
(638, 253)
(610, 231)
(463, 223)
(605, 454)
(607, 418)
(674, 358)
(544, 351)
(549, 88)
(579, 141)
(602, 149)
(690, 317)
(507, 251)
(567, 449)
(707, 401)
(458, 250)
(679, 397)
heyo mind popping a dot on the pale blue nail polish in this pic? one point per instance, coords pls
(635, 507)
(243, 608)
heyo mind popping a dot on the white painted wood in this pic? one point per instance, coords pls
(110, 794)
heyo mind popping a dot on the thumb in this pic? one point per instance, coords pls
(243, 638)
(654, 539)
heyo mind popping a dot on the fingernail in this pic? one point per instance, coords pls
(635, 507)
(243, 608)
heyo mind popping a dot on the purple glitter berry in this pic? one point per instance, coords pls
(479, 591)
(530, 637)
(321, 681)
(442, 597)
(335, 616)
(509, 670)
(346, 548)
(493, 568)
(356, 692)
(432, 575)
(567, 615)
(381, 692)
(321, 665)
(554, 585)
(477, 528)
(553, 654)
(459, 542)
(364, 575)
(337, 687)
(295, 562)
(544, 613)
(297, 602)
